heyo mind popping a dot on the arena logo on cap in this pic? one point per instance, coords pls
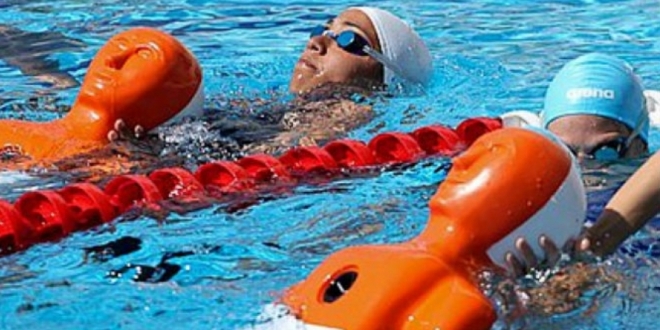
(574, 94)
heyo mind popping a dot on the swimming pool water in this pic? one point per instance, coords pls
(216, 267)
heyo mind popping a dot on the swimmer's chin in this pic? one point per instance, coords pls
(301, 89)
(302, 83)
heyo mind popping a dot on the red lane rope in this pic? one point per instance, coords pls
(48, 215)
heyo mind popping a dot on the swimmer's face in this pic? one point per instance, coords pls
(586, 134)
(323, 61)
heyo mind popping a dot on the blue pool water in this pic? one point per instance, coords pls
(490, 57)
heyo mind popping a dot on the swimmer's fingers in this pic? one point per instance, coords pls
(521, 266)
(116, 133)
(572, 245)
(552, 252)
(122, 132)
(125, 132)
(113, 136)
(515, 267)
(583, 244)
(581, 248)
(138, 131)
(529, 257)
(120, 125)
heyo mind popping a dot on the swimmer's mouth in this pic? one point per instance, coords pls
(308, 64)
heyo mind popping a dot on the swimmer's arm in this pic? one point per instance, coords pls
(330, 121)
(630, 208)
(20, 50)
(44, 70)
(636, 202)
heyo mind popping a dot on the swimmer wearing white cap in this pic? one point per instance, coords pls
(360, 49)
(362, 45)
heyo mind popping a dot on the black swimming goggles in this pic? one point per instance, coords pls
(347, 40)
(617, 148)
(610, 150)
(356, 44)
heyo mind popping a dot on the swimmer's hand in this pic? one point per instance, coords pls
(122, 132)
(598, 240)
(606, 234)
(519, 267)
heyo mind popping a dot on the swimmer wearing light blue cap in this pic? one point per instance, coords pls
(596, 105)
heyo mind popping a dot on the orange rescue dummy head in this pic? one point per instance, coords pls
(143, 76)
(510, 182)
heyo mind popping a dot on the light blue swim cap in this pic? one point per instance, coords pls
(601, 85)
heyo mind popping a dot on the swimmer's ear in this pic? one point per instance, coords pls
(520, 118)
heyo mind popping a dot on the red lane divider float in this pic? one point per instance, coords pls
(224, 177)
(48, 215)
(351, 153)
(437, 139)
(395, 148)
(304, 160)
(472, 128)
(15, 230)
(264, 168)
(89, 204)
(176, 182)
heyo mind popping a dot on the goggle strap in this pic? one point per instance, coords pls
(329, 33)
(389, 64)
(637, 128)
(384, 60)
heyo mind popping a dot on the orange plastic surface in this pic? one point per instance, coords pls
(143, 76)
(427, 282)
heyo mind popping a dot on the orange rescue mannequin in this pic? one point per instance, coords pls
(142, 76)
(428, 282)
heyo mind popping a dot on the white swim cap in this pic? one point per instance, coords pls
(560, 219)
(405, 53)
(520, 118)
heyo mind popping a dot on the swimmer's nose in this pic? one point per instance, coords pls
(318, 44)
